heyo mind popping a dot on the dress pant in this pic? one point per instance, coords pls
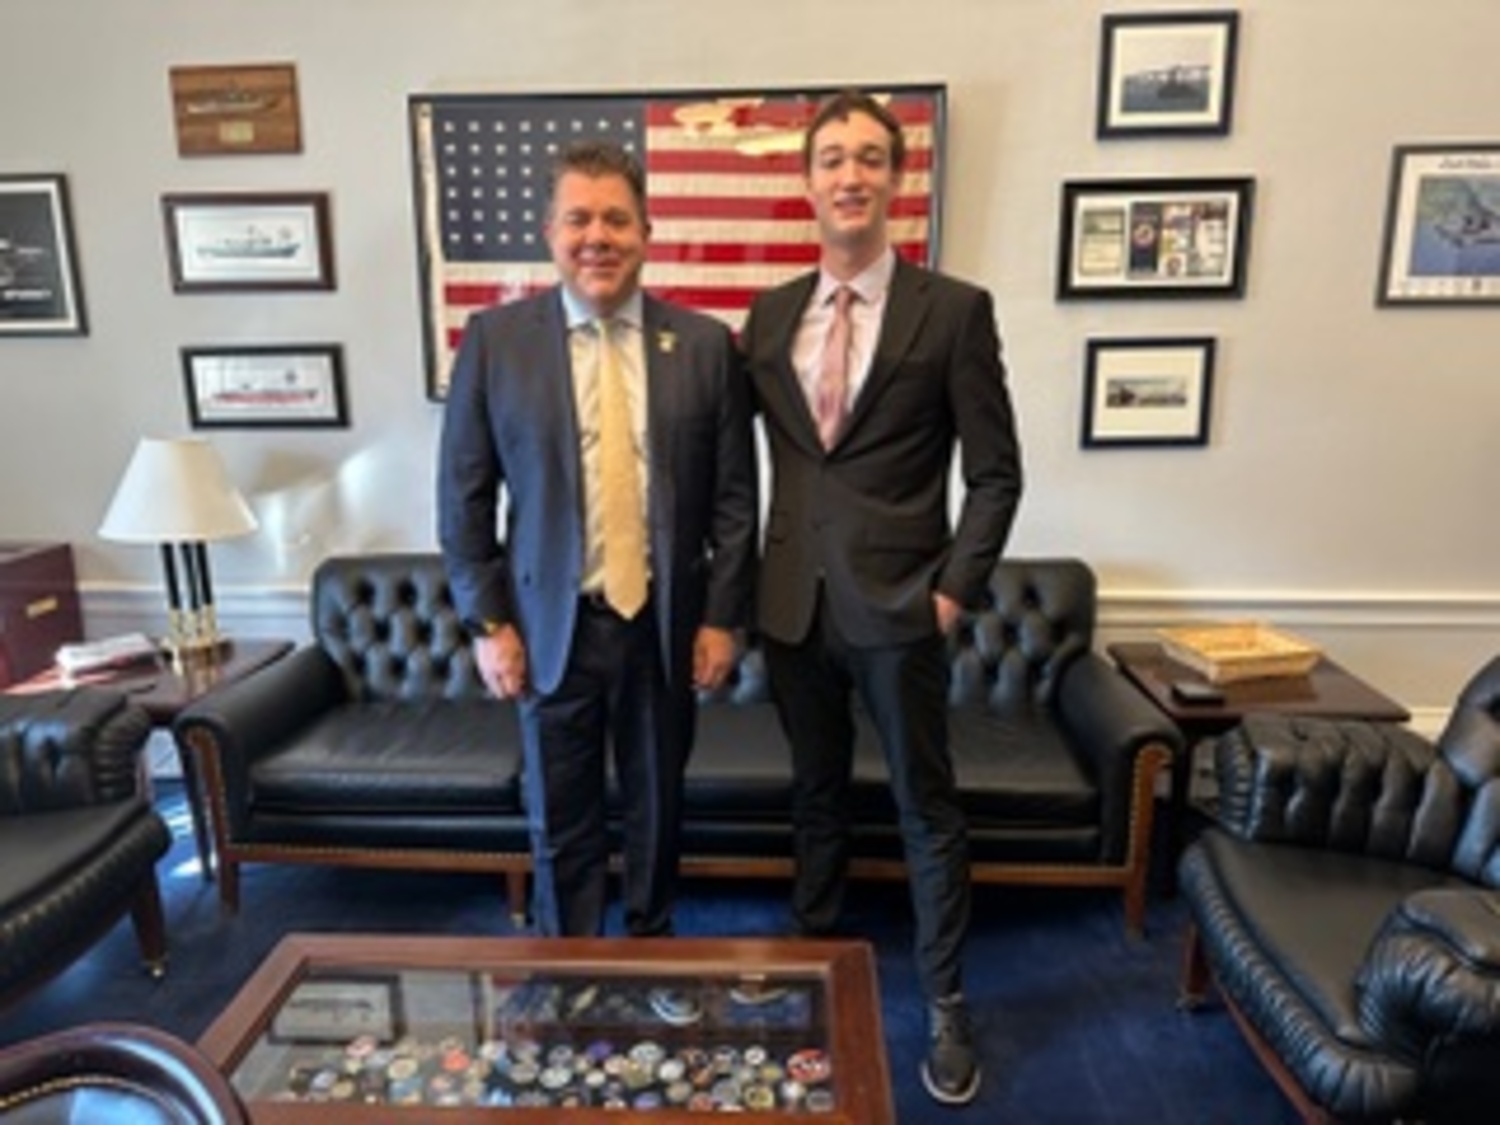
(613, 697)
(904, 689)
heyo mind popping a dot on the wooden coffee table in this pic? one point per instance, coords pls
(1328, 691)
(378, 1030)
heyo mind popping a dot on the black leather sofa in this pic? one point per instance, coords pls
(376, 746)
(78, 839)
(1345, 906)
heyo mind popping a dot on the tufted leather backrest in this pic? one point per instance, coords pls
(1040, 617)
(67, 749)
(389, 623)
(1373, 788)
(1470, 745)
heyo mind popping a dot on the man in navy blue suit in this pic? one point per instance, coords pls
(593, 670)
(868, 372)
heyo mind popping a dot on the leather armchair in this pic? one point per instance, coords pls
(79, 840)
(1345, 906)
(113, 1072)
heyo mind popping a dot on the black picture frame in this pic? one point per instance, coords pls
(1147, 391)
(246, 242)
(284, 386)
(713, 245)
(40, 292)
(1167, 74)
(1172, 238)
(1442, 226)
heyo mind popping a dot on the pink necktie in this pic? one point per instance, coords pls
(831, 403)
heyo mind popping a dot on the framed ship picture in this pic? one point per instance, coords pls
(246, 242)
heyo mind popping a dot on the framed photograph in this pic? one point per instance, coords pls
(294, 385)
(232, 110)
(1442, 226)
(1167, 74)
(1147, 391)
(727, 203)
(39, 290)
(1154, 238)
(240, 243)
(339, 1010)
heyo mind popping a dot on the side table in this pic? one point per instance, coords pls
(1328, 691)
(164, 692)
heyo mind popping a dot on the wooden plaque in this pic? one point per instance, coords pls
(236, 109)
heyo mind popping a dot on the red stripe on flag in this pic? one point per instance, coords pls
(721, 162)
(753, 207)
(777, 113)
(733, 253)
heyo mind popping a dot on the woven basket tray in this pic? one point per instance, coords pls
(1240, 650)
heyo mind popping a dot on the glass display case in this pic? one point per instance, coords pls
(379, 1028)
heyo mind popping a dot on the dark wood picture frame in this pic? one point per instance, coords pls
(1147, 391)
(246, 110)
(1167, 74)
(245, 242)
(1134, 238)
(40, 293)
(284, 386)
(1442, 226)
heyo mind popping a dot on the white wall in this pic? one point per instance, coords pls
(1346, 487)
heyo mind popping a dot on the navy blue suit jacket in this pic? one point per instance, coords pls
(511, 424)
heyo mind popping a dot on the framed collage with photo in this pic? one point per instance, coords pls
(39, 289)
(1442, 226)
(1154, 238)
(1141, 392)
(1167, 74)
(727, 203)
(288, 386)
(248, 242)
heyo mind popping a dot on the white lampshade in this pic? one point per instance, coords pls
(176, 491)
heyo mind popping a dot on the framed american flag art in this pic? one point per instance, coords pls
(725, 193)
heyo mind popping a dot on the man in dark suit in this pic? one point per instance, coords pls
(619, 429)
(866, 372)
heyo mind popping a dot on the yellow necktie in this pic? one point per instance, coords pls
(622, 519)
(831, 403)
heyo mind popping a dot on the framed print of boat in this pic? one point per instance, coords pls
(39, 290)
(236, 110)
(1167, 74)
(289, 385)
(245, 242)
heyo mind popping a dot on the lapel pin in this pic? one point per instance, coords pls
(666, 341)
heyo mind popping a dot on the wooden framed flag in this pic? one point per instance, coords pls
(726, 193)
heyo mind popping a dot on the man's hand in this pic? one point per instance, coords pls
(713, 657)
(501, 659)
(947, 611)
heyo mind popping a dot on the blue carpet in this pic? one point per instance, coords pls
(1077, 1023)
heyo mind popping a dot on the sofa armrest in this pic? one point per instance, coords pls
(1348, 785)
(1108, 722)
(1433, 972)
(245, 719)
(69, 749)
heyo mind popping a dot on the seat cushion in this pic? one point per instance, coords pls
(403, 757)
(1286, 930)
(40, 849)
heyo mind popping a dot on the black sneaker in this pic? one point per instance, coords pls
(951, 1069)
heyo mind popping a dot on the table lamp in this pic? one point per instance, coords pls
(176, 493)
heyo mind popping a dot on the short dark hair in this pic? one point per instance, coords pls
(842, 106)
(600, 158)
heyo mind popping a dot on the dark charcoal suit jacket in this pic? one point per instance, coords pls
(511, 420)
(870, 517)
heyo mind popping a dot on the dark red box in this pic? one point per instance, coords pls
(39, 609)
